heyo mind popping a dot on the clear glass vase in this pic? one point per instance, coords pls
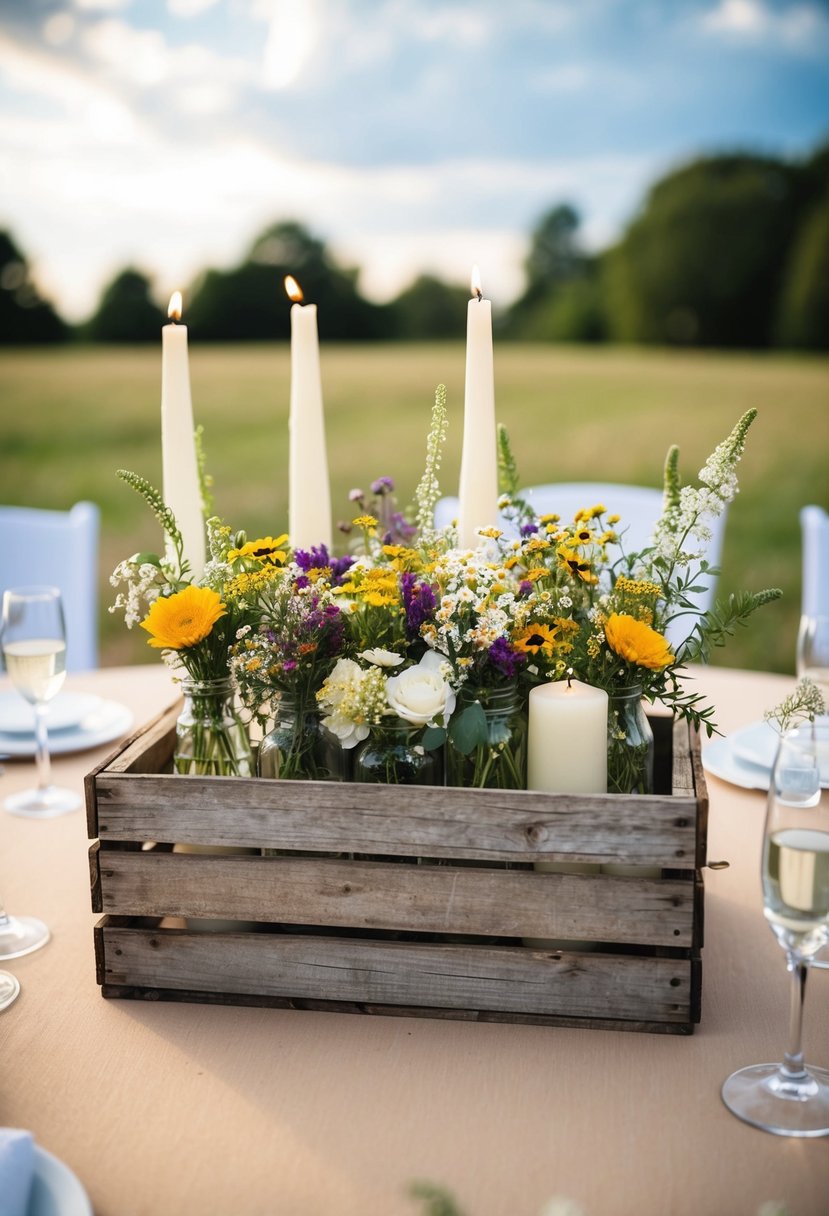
(487, 746)
(299, 748)
(211, 739)
(629, 743)
(394, 754)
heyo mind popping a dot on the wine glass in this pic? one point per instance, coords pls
(20, 935)
(788, 1098)
(34, 649)
(813, 662)
(9, 989)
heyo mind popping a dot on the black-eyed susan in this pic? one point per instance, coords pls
(265, 549)
(637, 643)
(534, 638)
(179, 621)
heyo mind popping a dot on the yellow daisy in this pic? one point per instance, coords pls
(181, 620)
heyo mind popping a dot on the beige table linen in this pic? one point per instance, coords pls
(164, 1109)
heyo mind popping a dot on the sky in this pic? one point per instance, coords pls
(411, 135)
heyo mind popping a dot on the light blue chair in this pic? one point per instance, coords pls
(639, 508)
(59, 548)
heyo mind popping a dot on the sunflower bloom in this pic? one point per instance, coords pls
(637, 643)
(181, 620)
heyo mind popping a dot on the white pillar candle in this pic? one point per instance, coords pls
(180, 473)
(567, 739)
(478, 493)
(309, 496)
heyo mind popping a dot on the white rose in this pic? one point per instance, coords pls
(420, 694)
(348, 732)
(381, 658)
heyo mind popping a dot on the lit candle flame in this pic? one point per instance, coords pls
(174, 307)
(293, 289)
(476, 283)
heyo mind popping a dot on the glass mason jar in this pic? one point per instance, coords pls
(394, 754)
(299, 748)
(498, 760)
(211, 739)
(629, 743)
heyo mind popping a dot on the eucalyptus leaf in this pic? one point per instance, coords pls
(433, 738)
(467, 729)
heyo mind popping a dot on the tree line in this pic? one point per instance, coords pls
(727, 251)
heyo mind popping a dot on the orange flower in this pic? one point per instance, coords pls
(637, 642)
(178, 621)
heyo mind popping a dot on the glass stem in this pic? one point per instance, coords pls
(792, 1066)
(44, 775)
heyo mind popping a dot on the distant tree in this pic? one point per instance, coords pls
(804, 302)
(249, 301)
(430, 309)
(126, 312)
(560, 301)
(25, 317)
(705, 260)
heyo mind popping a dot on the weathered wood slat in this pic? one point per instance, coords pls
(485, 825)
(146, 750)
(422, 899)
(497, 979)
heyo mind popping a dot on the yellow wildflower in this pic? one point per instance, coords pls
(637, 643)
(536, 637)
(176, 622)
(492, 533)
(266, 549)
(365, 521)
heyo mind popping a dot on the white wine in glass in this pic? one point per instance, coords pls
(34, 649)
(791, 1099)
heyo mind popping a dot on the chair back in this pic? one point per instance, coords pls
(639, 508)
(59, 548)
(814, 531)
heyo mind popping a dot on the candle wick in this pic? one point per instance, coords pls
(479, 294)
(569, 676)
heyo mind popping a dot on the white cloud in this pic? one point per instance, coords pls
(293, 35)
(189, 8)
(101, 6)
(800, 27)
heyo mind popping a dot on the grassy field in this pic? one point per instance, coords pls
(71, 417)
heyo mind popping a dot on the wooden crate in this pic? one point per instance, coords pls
(400, 899)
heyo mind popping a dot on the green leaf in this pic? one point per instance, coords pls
(467, 729)
(433, 738)
(146, 559)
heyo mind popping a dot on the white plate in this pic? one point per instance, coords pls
(18, 716)
(55, 1189)
(756, 743)
(107, 721)
(719, 759)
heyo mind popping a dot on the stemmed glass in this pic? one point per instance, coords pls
(788, 1098)
(813, 661)
(20, 935)
(34, 649)
(9, 989)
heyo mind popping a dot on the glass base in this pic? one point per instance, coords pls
(21, 935)
(762, 1096)
(42, 803)
(9, 989)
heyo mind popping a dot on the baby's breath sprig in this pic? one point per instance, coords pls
(428, 490)
(805, 703)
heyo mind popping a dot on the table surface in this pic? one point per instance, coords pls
(175, 1108)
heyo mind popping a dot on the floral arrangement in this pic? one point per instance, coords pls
(408, 659)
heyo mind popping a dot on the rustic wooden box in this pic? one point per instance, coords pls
(396, 899)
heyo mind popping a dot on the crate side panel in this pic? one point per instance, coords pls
(486, 825)
(496, 979)
(415, 898)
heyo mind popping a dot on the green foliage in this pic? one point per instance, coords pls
(25, 318)
(467, 729)
(723, 620)
(804, 305)
(126, 312)
(430, 309)
(704, 261)
(249, 302)
(508, 479)
(208, 505)
(804, 704)
(161, 511)
(438, 1201)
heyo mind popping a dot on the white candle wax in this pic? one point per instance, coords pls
(180, 474)
(309, 496)
(478, 492)
(567, 738)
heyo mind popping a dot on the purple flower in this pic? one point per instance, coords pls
(289, 665)
(504, 659)
(301, 581)
(319, 558)
(418, 601)
(528, 529)
(525, 587)
(355, 496)
(383, 485)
